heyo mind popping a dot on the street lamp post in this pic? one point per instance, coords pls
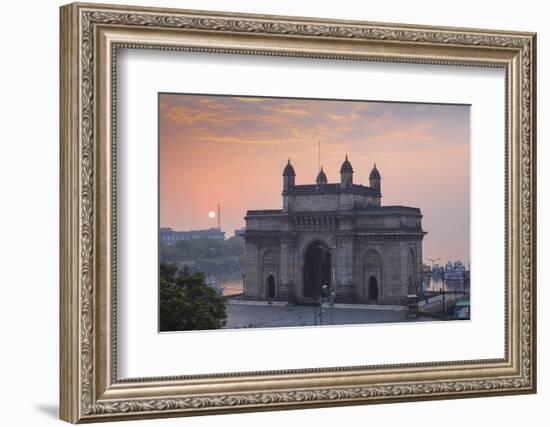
(325, 293)
(315, 312)
(325, 289)
(444, 311)
(332, 296)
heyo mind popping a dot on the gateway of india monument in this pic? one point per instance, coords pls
(336, 235)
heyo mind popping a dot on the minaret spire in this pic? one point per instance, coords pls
(375, 178)
(321, 180)
(288, 177)
(346, 174)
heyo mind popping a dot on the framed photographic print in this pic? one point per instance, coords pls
(264, 212)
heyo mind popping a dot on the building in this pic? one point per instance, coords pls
(454, 272)
(239, 232)
(170, 237)
(334, 234)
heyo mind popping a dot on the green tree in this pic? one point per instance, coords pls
(187, 303)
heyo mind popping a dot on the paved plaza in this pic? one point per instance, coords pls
(266, 316)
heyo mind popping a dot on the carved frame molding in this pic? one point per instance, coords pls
(90, 37)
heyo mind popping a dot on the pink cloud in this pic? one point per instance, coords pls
(231, 151)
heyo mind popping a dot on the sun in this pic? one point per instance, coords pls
(211, 214)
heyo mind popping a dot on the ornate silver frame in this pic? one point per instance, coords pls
(90, 36)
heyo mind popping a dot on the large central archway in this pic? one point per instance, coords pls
(317, 266)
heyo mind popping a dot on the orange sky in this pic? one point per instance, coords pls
(232, 150)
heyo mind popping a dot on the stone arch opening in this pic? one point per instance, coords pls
(373, 288)
(372, 276)
(317, 267)
(270, 273)
(270, 286)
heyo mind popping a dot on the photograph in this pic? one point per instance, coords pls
(340, 203)
(299, 212)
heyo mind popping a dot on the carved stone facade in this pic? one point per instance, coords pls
(338, 235)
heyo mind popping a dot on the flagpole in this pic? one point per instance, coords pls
(318, 155)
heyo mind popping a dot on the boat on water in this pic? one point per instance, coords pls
(462, 310)
(454, 272)
(438, 274)
(454, 276)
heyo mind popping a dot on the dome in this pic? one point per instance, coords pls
(289, 170)
(346, 166)
(322, 177)
(374, 174)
